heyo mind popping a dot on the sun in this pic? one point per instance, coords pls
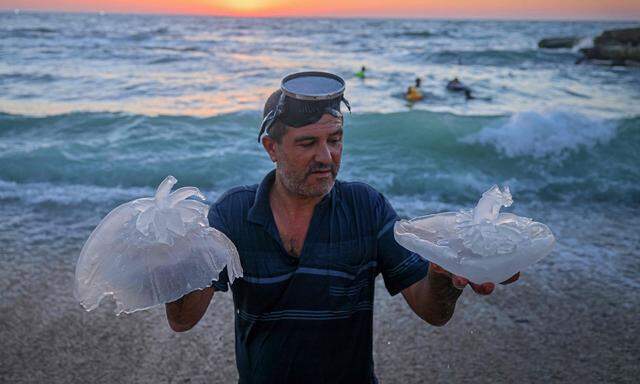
(250, 5)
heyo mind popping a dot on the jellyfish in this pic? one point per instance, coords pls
(152, 251)
(480, 244)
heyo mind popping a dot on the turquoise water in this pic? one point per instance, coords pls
(416, 156)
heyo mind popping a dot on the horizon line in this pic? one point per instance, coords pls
(352, 17)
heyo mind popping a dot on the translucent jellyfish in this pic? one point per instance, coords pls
(480, 244)
(152, 251)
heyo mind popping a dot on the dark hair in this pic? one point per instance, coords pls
(278, 128)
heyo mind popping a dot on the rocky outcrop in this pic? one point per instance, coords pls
(558, 42)
(617, 46)
(629, 36)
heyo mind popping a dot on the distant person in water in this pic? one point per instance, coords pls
(360, 73)
(456, 85)
(413, 92)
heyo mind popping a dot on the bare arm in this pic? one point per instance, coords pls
(185, 312)
(434, 297)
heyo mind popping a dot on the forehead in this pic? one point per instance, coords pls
(327, 125)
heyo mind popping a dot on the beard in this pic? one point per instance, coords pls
(300, 182)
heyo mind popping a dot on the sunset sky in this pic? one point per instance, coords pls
(518, 9)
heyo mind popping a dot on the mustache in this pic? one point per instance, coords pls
(321, 167)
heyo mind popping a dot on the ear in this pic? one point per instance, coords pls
(269, 145)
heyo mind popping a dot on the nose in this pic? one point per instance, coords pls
(323, 154)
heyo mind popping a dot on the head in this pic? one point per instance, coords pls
(307, 158)
(418, 81)
(363, 68)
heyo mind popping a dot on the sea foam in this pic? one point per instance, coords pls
(555, 132)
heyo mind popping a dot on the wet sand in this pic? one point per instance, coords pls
(564, 321)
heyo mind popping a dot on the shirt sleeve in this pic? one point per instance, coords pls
(216, 222)
(400, 267)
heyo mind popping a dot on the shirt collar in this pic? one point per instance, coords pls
(260, 211)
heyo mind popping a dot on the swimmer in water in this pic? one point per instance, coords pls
(456, 85)
(413, 92)
(360, 73)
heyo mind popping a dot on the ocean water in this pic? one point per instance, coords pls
(96, 110)
(100, 107)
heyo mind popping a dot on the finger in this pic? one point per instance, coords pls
(511, 279)
(483, 289)
(459, 282)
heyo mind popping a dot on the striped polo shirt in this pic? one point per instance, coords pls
(308, 319)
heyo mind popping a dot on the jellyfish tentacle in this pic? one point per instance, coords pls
(193, 216)
(173, 222)
(488, 207)
(506, 196)
(193, 205)
(144, 220)
(183, 193)
(164, 189)
(143, 204)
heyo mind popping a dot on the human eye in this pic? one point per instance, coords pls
(306, 143)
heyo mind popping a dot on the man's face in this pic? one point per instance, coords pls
(308, 158)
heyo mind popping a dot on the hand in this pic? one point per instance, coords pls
(460, 282)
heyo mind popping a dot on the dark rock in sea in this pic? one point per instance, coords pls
(628, 36)
(558, 42)
(616, 46)
(612, 52)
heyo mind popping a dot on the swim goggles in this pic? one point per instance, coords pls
(304, 98)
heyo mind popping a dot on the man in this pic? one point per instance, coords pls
(311, 247)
